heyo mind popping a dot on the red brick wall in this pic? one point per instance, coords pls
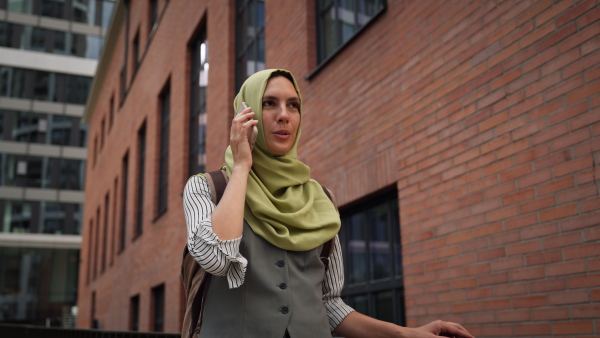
(483, 114)
(153, 257)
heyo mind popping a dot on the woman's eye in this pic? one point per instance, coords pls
(295, 105)
(267, 103)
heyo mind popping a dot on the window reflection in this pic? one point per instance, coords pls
(40, 128)
(249, 38)
(198, 87)
(46, 86)
(340, 20)
(41, 172)
(40, 217)
(37, 284)
(370, 238)
(381, 249)
(384, 306)
(50, 41)
(357, 249)
(90, 12)
(53, 8)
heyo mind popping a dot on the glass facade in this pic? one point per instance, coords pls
(27, 127)
(44, 86)
(90, 12)
(45, 40)
(44, 156)
(370, 238)
(40, 217)
(37, 285)
(41, 172)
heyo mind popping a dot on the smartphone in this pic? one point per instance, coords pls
(252, 132)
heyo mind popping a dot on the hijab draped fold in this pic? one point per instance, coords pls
(283, 204)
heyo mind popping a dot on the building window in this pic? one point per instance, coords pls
(95, 150)
(37, 283)
(41, 172)
(125, 180)
(370, 238)
(134, 306)
(152, 15)
(140, 180)
(90, 243)
(250, 39)
(135, 53)
(97, 243)
(198, 86)
(338, 21)
(113, 233)
(123, 83)
(163, 170)
(158, 308)
(111, 111)
(105, 232)
(90, 12)
(94, 321)
(40, 217)
(44, 86)
(102, 132)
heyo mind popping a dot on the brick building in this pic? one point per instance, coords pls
(462, 140)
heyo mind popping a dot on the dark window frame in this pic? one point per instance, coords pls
(90, 256)
(111, 111)
(371, 287)
(114, 220)
(321, 11)
(246, 14)
(134, 313)
(139, 223)
(163, 150)
(152, 15)
(158, 308)
(105, 232)
(124, 183)
(135, 55)
(197, 125)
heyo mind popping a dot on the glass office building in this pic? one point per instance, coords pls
(49, 50)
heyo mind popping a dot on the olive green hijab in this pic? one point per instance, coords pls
(283, 204)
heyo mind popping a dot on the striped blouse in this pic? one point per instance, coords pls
(223, 258)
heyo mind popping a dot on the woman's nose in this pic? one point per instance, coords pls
(283, 115)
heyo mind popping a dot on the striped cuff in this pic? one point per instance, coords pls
(337, 310)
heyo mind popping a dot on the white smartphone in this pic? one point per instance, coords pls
(252, 132)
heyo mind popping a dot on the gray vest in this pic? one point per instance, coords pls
(282, 290)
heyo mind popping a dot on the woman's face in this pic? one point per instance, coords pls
(280, 115)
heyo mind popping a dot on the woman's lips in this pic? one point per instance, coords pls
(282, 134)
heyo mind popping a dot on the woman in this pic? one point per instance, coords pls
(262, 241)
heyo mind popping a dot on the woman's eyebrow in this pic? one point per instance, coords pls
(271, 97)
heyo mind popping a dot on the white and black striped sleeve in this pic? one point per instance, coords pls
(217, 257)
(333, 284)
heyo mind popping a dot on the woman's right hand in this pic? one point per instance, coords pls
(238, 139)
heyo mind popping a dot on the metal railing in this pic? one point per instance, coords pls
(32, 331)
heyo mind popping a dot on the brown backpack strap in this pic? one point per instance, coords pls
(327, 246)
(217, 182)
(197, 306)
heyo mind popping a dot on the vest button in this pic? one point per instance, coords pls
(280, 264)
(282, 286)
(284, 310)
